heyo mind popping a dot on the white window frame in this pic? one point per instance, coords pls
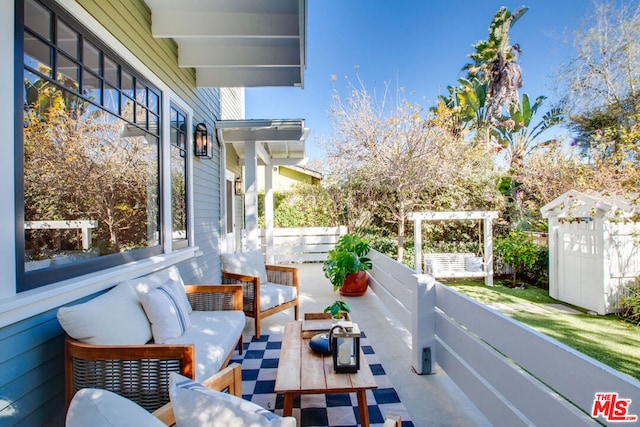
(15, 306)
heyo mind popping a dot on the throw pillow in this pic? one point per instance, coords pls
(115, 317)
(197, 406)
(249, 263)
(102, 408)
(166, 311)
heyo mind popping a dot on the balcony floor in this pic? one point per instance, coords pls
(432, 400)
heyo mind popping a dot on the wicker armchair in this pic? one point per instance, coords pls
(276, 274)
(141, 372)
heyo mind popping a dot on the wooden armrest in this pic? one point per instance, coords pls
(281, 268)
(392, 420)
(235, 290)
(229, 379)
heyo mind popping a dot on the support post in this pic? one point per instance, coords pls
(423, 328)
(488, 250)
(268, 214)
(417, 236)
(251, 195)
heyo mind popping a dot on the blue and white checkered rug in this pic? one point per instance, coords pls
(260, 362)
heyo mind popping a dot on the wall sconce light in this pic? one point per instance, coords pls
(237, 186)
(344, 342)
(201, 142)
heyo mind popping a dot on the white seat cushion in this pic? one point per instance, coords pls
(272, 295)
(101, 408)
(214, 333)
(249, 263)
(197, 406)
(115, 317)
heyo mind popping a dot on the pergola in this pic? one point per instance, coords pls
(487, 218)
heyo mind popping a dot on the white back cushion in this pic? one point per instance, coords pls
(166, 311)
(249, 263)
(115, 317)
(101, 408)
(197, 406)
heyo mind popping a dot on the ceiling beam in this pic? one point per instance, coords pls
(244, 53)
(182, 23)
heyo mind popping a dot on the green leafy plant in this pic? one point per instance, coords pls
(631, 303)
(348, 257)
(337, 309)
(518, 249)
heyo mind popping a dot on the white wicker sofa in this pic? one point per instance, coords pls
(112, 340)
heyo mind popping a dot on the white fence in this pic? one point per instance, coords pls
(309, 244)
(513, 374)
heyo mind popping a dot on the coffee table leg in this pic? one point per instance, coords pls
(363, 409)
(287, 411)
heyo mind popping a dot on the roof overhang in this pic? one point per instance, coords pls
(236, 43)
(279, 142)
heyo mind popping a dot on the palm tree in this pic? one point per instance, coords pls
(518, 136)
(495, 61)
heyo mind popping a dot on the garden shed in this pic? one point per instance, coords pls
(594, 248)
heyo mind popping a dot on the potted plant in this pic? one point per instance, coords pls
(339, 310)
(346, 265)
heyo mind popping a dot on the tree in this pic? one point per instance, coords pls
(600, 90)
(495, 62)
(517, 249)
(387, 147)
(520, 136)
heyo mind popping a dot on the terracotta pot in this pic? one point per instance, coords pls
(355, 284)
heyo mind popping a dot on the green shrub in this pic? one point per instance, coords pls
(631, 304)
(517, 249)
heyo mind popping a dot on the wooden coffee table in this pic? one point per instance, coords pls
(302, 371)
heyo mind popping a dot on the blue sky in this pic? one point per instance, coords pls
(422, 44)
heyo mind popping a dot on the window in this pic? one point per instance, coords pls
(178, 177)
(91, 142)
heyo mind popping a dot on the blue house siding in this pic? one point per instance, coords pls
(31, 372)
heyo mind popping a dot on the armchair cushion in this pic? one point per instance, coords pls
(197, 406)
(272, 295)
(102, 408)
(248, 263)
(213, 334)
(167, 312)
(115, 317)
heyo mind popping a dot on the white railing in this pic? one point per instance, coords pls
(309, 244)
(513, 374)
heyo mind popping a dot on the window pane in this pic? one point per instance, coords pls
(91, 87)
(178, 194)
(91, 57)
(141, 116)
(127, 108)
(141, 94)
(82, 170)
(37, 54)
(127, 84)
(112, 98)
(154, 102)
(38, 19)
(67, 39)
(110, 71)
(67, 72)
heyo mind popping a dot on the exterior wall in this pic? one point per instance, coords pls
(31, 339)
(284, 179)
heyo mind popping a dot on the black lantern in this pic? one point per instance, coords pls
(237, 186)
(344, 342)
(201, 141)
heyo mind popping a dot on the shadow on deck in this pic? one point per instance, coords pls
(432, 400)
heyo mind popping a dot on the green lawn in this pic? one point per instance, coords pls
(607, 339)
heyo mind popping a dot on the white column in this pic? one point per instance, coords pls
(488, 250)
(251, 195)
(417, 238)
(423, 327)
(268, 213)
(554, 256)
